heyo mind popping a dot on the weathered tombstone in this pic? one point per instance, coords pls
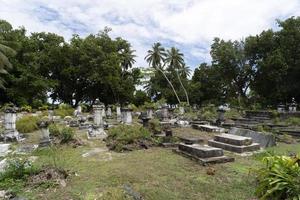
(293, 106)
(119, 114)
(108, 112)
(221, 112)
(181, 110)
(45, 135)
(78, 111)
(97, 130)
(280, 107)
(164, 113)
(150, 112)
(127, 115)
(10, 118)
(50, 114)
(103, 112)
(145, 118)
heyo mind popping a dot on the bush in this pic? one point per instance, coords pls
(26, 108)
(124, 137)
(232, 113)
(279, 178)
(64, 110)
(208, 113)
(154, 126)
(54, 130)
(66, 135)
(294, 121)
(27, 124)
(43, 108)
(17, 169)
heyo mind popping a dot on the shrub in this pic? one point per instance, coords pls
(42, 108)
(232, 113)
(17, 169)
(26, 108)
(66, 135)
(294, 121)
(279, 178)
(154, 126)
(124, 137)
(208, 113)
(27, 124)
(54, 130)
(64, 110)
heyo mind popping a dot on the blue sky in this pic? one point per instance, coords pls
(189, 25)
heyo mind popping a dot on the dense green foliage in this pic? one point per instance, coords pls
(279, 178)
(124, 138)
(64, 134)
(82, 70)
(260, 70)
(27, 124)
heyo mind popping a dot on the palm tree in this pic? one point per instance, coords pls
(4, 62)
(127, 58)
(175, 61)
(155, 57)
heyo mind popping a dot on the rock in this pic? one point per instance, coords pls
(3, 164)
(264, 139)
(4, 149)
(68, 118)
(24, 149)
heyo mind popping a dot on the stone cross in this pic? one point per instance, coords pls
(127, 116)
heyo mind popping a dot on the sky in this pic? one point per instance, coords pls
(189, 25)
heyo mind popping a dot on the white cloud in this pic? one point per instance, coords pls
(191, 24)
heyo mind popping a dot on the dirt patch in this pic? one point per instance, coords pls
(48, 176)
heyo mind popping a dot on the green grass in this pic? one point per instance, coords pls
(27, 124)
(155, 173)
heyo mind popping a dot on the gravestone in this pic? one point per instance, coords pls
(234, 143)
(96, 131)
(127, 115)
(108, 112)
(45, 135)
(221, 113)
(280, 107)
(150, 112)
(10, 118)
(145, 119)
(119, 114)
(293, 106)
(181, 110)
(264, 139)
(164, 113)
(203, 154)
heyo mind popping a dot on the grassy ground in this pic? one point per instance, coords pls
(155, 173)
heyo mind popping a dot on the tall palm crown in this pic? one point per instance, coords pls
(127, 58)
(156, 55)
(174, 59)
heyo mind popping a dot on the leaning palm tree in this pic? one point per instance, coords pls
(175, 61)
(155, 58)
(4, 62)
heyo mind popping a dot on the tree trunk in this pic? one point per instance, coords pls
(170, 85)
(186, 94)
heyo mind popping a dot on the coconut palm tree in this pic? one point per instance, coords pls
(127, 58)
(175, 61)
(4, 62)
(155, 58)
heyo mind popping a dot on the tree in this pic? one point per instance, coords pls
(175, 61)
(155, 58)
(233, 65)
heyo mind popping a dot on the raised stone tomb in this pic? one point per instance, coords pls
(234, 143)
(203, 154)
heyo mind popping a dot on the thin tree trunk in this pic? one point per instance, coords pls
(186, 94)
(170, 85)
